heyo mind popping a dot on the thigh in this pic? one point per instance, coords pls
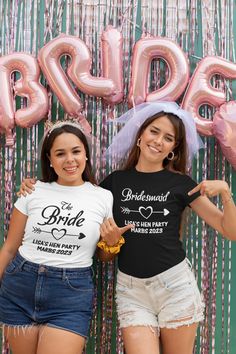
(178, 340)
(22, 340)
(141, 340)
(58, 341)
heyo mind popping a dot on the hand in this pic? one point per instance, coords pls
(211, 188)
(26, 187)
(110, 232)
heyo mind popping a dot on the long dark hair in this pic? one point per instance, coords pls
(48, 173)
(179, 162)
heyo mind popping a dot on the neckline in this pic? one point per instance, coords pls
(149, 173)
(67, 187)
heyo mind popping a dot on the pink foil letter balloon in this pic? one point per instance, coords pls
(145, 51)
(200, 91)
(27, 86)
(112, 59)
(78, 72)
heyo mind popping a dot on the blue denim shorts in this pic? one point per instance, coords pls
(34, 294)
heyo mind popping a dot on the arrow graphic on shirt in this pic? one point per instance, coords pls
(57, 233)
(146, 212)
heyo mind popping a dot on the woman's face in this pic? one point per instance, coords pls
(156, 142)
(68, 159)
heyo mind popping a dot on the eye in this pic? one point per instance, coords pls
(170, 139)
(76, 151)
(60, 154)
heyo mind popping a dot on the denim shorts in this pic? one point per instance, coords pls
(34, 294)
(168, 300)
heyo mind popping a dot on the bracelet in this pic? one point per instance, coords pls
(111, 249)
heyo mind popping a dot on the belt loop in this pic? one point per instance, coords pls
(63, 274)
(189, 263)
(92, 272)
(21, 264)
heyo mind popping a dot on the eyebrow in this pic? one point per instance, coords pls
(75, 147)
(153, 127)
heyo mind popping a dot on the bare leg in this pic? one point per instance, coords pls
(141, 340)
(59, 341)
(178, 340)
(22, 340)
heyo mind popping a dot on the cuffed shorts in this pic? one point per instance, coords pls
(34, 294)
(167, 300)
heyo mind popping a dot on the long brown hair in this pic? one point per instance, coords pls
(48, 173)
(179, 162)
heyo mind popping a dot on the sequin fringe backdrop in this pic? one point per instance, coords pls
(201, 28)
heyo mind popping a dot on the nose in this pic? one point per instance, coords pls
(158, 140)
(70, 157)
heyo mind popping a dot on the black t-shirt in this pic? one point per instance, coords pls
(154, 202)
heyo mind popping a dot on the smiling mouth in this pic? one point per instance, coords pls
(152, 148)
(70, 169)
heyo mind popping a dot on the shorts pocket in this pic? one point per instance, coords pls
(181, 281)
(80, 284)
(12, 268)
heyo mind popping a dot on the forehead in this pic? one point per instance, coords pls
(163, 123)
(66, 140)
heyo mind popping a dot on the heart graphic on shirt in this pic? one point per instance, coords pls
(145, 212)
(58, 234)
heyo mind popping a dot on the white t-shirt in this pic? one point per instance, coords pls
(62, 228)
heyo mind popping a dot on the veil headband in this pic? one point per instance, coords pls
(135, 117)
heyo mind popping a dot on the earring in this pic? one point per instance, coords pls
(170, 156)
(50, 164)
(138, 142)
(86, 158)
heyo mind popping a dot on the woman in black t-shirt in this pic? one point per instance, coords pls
(158, 300)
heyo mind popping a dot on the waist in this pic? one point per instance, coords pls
(29, 266)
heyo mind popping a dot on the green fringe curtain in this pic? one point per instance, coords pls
(201, 28)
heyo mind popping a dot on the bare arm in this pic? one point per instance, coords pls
(13, 240)
(224, 221)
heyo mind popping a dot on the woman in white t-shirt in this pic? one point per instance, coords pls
(46, 289)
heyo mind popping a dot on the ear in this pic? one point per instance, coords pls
(176, 144)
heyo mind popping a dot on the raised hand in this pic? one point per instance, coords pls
(111, 233)
(211, 188)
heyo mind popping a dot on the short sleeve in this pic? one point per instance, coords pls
(188, 185)
(21, 204)
(109, 205)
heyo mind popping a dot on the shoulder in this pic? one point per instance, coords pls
(109, 181)
(181, 177)
(99, 190)
(39, 185)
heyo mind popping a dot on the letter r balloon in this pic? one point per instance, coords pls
(78, 71)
